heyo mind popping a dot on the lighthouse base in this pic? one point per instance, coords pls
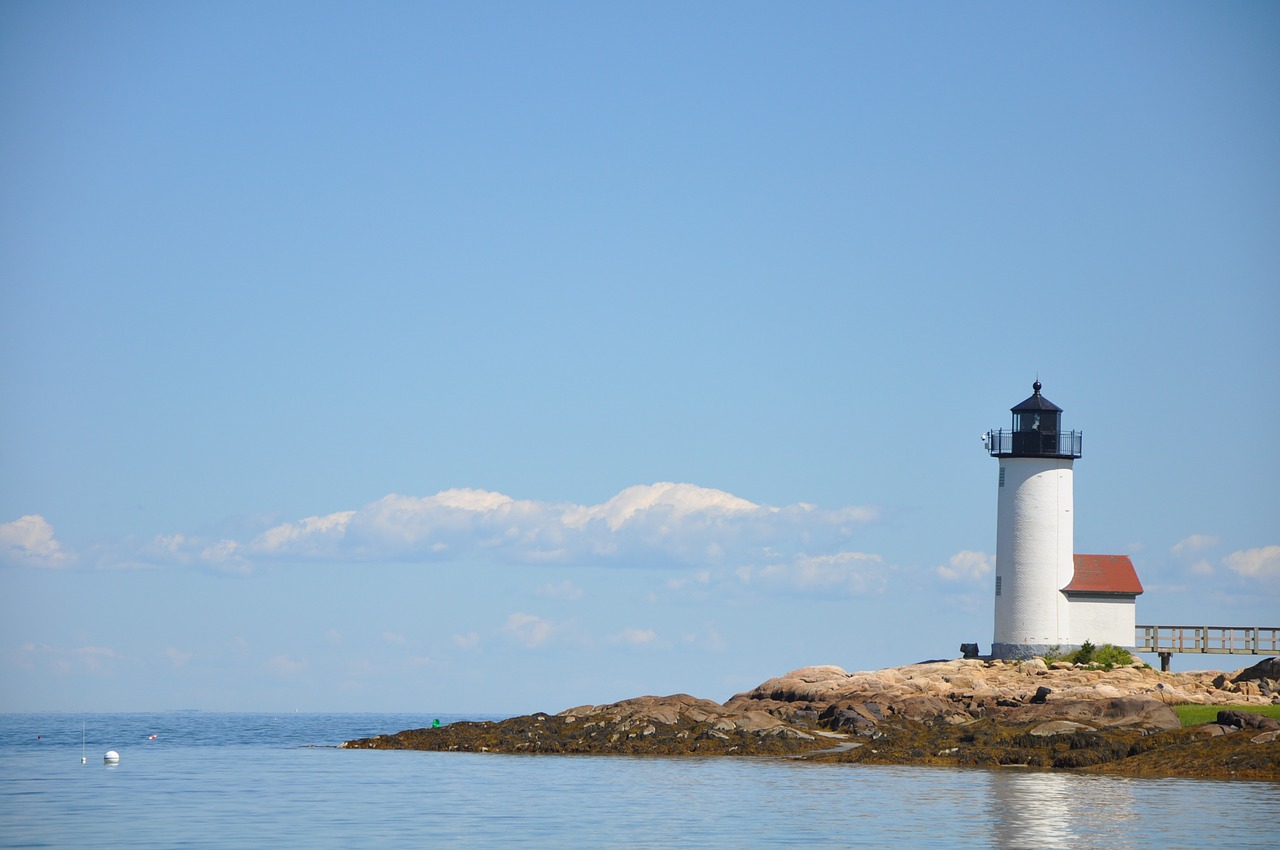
(1022, 651)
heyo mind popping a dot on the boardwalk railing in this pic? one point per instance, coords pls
(1214, 640)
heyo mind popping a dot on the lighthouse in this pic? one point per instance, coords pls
(1041, 584)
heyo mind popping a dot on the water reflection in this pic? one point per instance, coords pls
(1035, 809)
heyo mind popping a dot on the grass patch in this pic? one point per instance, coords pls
(1193, 715)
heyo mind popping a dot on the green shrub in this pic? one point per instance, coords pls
(1083, 655)
(1106, 656)
(1112, 656)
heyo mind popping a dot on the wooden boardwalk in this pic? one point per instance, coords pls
(1210, 640)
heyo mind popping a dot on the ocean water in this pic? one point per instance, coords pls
(278, 781)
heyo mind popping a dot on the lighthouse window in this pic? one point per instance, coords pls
(1002, 476)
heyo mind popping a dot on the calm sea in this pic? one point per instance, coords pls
(276, 781)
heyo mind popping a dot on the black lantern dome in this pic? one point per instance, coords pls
(1037, 431)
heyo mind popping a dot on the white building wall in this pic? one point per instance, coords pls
(1034, 546)
(1100, 620)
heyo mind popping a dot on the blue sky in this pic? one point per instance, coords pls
(512, 356)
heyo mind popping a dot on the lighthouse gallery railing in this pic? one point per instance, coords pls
(1024, 443)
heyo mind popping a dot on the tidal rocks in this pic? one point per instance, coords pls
(1138, 713)
(673, 725)
(961, 712)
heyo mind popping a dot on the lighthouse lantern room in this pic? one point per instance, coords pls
(1037, 586)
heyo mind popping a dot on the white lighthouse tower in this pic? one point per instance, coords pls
(1035, 544)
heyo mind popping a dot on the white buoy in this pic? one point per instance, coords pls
(112, 757)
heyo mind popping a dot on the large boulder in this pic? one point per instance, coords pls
(1267, 668)
(860, 718)
(1247, 720)
(1133, 712)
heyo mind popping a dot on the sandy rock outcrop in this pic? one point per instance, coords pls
(968, 688)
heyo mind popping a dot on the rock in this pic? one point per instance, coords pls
(1139, 713)
(1212, 730)
(857, 717)
(1266, 737)
(926, 708)
(1060, 727)
(1247, 720)
(961, 711)
(1267, 668)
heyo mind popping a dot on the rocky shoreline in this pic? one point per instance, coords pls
(965, 712)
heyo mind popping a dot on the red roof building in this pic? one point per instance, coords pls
(1104, 574)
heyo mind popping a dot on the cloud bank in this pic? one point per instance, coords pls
(653, 525)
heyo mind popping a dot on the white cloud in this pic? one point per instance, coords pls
(311, 536)
(528, 629)
(700, 578)
(708, 639)
(225, 555)
(854, 573)
(29, 541)
(1194, 543)
(564, 590)
(222, 555)
(178, 657)
(1202, 568)
(673, 501)
(1263, 562)
(394, 637)
(470, 640)
(634, 637)
(966, 565)
(651, 525)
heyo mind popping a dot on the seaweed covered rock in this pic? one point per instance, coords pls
(673, 725)
(1139, 713)
(1247, 720)
(962, 712)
